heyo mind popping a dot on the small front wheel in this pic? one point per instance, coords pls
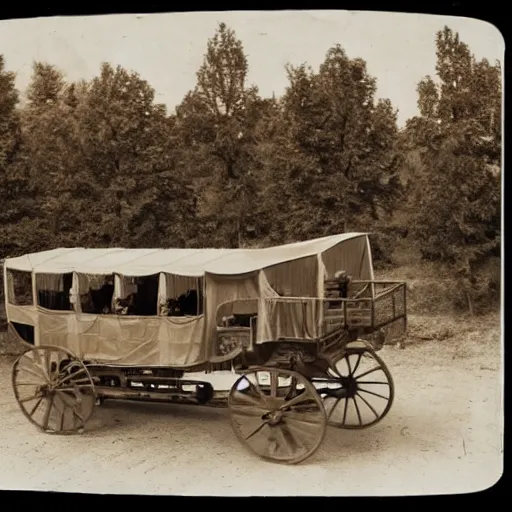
(358, 390)
(277, 414)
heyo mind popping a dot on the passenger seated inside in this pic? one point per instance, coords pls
(337, 288)
(142, 302)
(169, 307)
(185, 305)
(102, 299)
(344, 281)
(126, 306)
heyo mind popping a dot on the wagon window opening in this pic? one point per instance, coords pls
(53, 291)
(96, 293)
(138, 296)
(19, 288)
(184, 296)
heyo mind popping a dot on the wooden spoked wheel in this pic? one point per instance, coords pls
(277, 414)
(358, 391)
(53, 389)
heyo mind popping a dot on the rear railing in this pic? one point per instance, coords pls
(372, 305)
(386, 305)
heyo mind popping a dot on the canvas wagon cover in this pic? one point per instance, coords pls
(300, 268)
(185, 262)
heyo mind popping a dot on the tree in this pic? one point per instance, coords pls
(18, 215)
(216, 122)
(126, 141)
(52, 155)
(459, 136)
(344, 173)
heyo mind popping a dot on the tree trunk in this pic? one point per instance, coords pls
(470, 304)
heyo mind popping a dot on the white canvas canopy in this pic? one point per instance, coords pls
(185, 262)
(297, 269)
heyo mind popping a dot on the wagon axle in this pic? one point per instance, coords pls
(347, 388)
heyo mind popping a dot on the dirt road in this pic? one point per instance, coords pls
(443, 435)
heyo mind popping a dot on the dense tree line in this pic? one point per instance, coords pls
(100, 163)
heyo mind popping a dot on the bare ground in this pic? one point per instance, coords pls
(443, 435)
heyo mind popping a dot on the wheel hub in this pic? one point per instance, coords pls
(350, 386)
(273, 418)
(45, 390)
(347, 388)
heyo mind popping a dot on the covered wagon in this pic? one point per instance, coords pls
(289, 321)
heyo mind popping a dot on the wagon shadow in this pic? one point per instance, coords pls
(119, 415)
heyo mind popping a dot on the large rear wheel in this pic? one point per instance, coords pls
(277, 414)
(54, 389)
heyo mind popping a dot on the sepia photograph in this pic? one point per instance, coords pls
(251, 253)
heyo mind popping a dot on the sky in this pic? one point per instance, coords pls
(168, 49)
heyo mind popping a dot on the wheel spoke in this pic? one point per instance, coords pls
(38, 403)
(347, 358)
(256, 386)
(306, 418)
(256, 430)
(72, 375)
(359, 356)
(255, 401)
(302, 430)
(371, 382)
(79, 416)
(49, 405)
(292, 390)
(30, 398)
(370, 406)
(34, 374)
(357, 411)
(248, 411)
(47, 363)
(256, 396)
(274, 381)
(335, 406)
(368, 372)
(373, 393)
(345, 411)
(295, 400)
(284, 439)
(62, 415)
